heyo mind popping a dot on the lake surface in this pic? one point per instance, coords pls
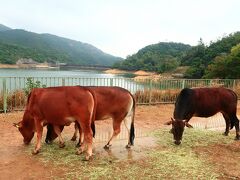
(12, 79)
(54, 73)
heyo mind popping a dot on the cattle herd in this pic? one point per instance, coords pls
(57, 107)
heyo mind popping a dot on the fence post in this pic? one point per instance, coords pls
(183, 83)
(210, 83)
(111, 82)
(234, 85)
(63, 81)
(4, 96)
(150, 91)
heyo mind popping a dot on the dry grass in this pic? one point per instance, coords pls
(15, 100)
(165, 161)
(156, 96)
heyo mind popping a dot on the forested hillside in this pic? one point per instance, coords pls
(159, 57)
(218, 60)
(16, 44)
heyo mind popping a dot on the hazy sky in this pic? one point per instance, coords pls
(122, 27)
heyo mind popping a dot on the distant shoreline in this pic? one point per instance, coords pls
(10, 66)
(139, 75)
(25, 66)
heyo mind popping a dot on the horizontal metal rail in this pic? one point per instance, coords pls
(14, 90)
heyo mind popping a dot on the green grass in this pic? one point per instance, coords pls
(181, 162)
(166, 161)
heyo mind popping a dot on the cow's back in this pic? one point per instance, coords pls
(111, 101)
(209, 101)
(59, 105)
(205, 102)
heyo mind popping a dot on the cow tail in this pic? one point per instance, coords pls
(132, 131)
(234, 118)
(94, 112)
(93, 128)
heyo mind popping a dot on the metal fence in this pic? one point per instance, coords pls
(13, 90)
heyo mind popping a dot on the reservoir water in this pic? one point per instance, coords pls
(54, 73)
(12, 79)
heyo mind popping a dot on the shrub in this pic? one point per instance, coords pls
(30, 84)
(16, 100)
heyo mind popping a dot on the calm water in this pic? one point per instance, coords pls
(53, 73)
(12, 79)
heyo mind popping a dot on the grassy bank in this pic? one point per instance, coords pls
(165, 161)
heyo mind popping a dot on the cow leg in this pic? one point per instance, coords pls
(88, 139)
(127, 125)
(81, 137)
(58, 132)
(227, 121)
(116, 131)
(39, 129)
(75, 132)
(236, 121)
(78, 129)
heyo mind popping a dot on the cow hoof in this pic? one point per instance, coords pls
(88, 158)
(62, 145)
(73, 138)
(34, 152)
(128, 146)
(107, 146)
(78, 144)
(78, 152)
(237, 138)
(225, 134)
(48, 141)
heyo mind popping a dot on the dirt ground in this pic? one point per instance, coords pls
(15, 163)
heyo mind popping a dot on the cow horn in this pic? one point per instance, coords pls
(169, 122)
(16, 125)
(188, 125)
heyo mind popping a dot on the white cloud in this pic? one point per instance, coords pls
(123, 27)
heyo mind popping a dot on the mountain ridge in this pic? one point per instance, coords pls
(50, 48)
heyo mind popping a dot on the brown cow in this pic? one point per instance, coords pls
(204, 102)
(111, 102)
(59, 106)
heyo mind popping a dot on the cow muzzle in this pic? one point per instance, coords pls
(48, 141)
(26, 142)
(177, 142)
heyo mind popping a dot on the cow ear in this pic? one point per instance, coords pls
(188, 125)
(17, 125)
(169, 122)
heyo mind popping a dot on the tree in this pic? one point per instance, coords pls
(159, 57)
(225, 66)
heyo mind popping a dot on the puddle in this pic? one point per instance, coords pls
(118, 150)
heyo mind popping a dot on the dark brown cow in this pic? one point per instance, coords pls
(53, 132)
(111, 102)
(204, 102)
(59, 106)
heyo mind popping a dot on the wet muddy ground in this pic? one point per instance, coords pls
(17, 163)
